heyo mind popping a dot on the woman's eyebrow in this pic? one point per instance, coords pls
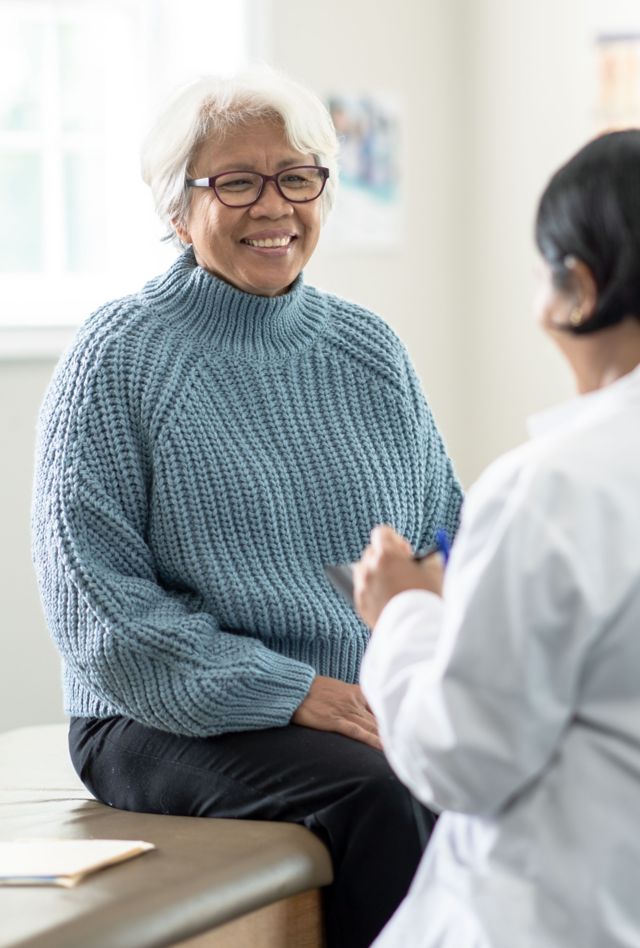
(293, 163)
(251, 166)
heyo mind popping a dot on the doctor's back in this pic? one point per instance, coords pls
(513, 703)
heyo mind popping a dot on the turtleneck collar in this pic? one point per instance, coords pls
(227, 319)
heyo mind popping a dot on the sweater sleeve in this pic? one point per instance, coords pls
(441, 494)
(373, 345)
(139, 649)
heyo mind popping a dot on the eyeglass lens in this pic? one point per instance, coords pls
(296, 184)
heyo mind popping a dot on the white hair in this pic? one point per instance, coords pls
(208, 108)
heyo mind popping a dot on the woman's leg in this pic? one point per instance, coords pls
(342, 790)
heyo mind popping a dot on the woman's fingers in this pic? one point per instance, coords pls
(358, 732)
(361, 726)
(333, 705)
(366, 720)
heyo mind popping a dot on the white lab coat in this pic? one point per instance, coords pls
(514, 703)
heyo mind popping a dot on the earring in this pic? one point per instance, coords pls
(576, 316)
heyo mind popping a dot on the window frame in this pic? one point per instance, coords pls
(70, 297)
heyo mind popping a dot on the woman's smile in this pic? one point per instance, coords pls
(271, 242)
(261, 248)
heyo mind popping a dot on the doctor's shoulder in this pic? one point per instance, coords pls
(531, 486)
(550, 467)
(559, 492)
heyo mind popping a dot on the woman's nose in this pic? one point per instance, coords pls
(271, 203)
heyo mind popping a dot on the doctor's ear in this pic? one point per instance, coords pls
(581, 288)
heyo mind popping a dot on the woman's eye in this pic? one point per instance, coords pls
(235, 184)
(292, 180)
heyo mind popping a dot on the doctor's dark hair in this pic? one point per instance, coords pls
(590, 210)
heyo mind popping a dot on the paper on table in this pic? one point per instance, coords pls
(62, 861)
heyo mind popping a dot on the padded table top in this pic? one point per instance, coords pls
(202, 873)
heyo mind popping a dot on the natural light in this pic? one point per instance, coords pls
(78, 84)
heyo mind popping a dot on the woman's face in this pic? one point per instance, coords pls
(559, 309)
(551, 306)
(221, 236)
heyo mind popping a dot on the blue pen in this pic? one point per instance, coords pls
(444, 544)
(441, 545)
(341, 576)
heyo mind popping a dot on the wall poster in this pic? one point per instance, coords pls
(367, 211)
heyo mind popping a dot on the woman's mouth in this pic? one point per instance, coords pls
(267, 242)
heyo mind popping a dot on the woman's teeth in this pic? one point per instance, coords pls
(269, 242)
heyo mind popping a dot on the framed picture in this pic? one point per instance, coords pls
(618, 80)
(367, 213)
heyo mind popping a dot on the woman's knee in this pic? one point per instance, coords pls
(376, 814)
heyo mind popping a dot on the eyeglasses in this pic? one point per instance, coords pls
(298, 185)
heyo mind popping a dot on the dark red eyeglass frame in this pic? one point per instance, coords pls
(211, 183)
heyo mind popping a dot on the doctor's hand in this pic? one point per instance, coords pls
(387, 568)
(333, 705)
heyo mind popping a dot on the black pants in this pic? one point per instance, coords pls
(340, 789)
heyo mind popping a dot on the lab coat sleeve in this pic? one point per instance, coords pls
(472, 692)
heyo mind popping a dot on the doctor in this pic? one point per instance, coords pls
(509, 694)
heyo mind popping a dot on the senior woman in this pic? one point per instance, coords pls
(206, 447)
(511, 698)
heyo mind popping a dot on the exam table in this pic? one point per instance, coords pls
(208, 884)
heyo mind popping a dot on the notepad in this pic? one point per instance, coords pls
(63, 862)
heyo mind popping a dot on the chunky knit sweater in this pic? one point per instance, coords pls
(203, 453)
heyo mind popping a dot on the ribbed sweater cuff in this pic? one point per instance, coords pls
(269, 693)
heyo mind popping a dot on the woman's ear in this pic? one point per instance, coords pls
(181, 231)
(583, 288)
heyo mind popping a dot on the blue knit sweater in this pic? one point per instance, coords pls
(203, 453)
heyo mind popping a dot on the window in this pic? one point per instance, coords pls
(78, 83)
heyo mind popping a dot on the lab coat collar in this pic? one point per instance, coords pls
(587, 409)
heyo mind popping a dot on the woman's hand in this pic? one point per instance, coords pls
(387, 568)
(332, 705)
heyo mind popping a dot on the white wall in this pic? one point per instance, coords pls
(495, 94)
(29, 675)
(528, 108)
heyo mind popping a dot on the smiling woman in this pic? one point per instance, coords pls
(207, 446)
(256, 230)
